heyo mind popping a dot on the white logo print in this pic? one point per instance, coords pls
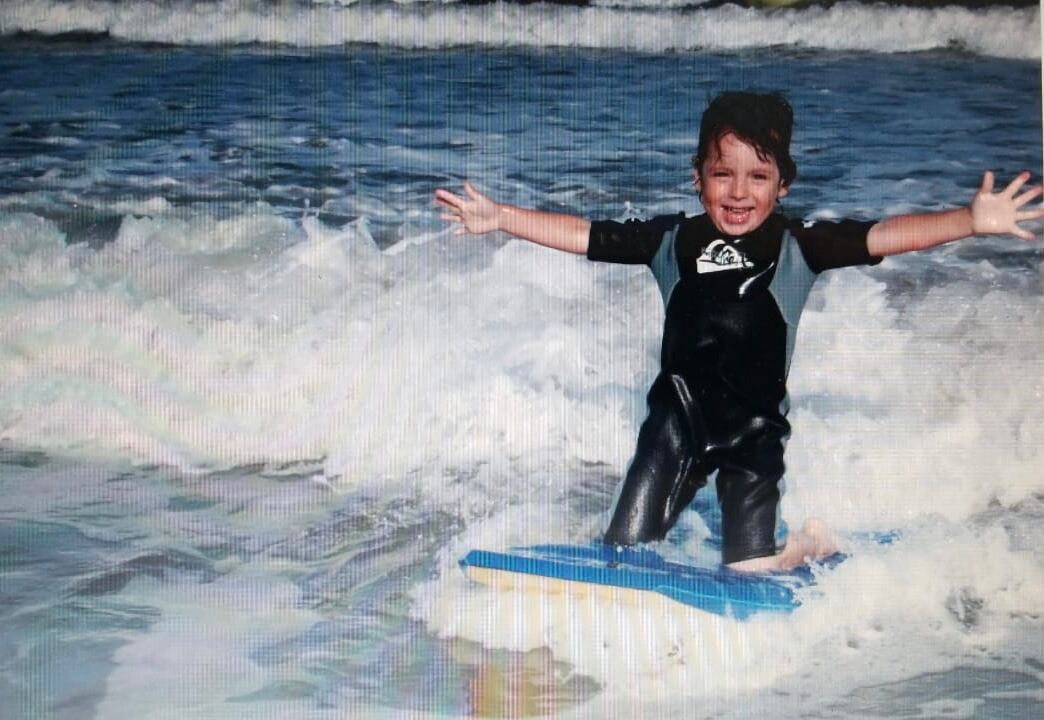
(719, 256)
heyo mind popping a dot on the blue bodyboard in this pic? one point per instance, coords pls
(714, 589)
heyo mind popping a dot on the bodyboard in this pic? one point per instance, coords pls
(629, 575)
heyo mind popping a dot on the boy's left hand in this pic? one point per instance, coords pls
(999, 213)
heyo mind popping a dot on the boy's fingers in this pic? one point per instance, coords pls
(1029, 215)
(987, 182)
(445, 197)
(1028, 195)
(1014, 185)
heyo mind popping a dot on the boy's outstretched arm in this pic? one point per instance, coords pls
(989, 213)
(478, 214)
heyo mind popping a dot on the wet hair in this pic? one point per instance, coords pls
(763, 121)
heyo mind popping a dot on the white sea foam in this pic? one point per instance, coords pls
(207, 645)
(213, 343)
(656, 27)
(928, 417)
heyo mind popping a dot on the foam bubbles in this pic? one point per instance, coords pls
(210, 343)
(904, 405)
(208, 644)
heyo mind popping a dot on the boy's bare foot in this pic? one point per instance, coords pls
(825, 542)
(815, 541)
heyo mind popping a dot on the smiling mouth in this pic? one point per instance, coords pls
(737, 215)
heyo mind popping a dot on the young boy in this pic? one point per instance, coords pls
(734, 281)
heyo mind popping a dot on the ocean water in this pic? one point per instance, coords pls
(256, 398)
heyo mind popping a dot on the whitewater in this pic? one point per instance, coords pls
(1006, 30)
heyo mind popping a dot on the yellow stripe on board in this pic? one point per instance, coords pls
(539, 584)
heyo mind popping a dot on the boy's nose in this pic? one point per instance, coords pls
(738, 188)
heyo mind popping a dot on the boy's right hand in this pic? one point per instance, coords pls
(476, 213)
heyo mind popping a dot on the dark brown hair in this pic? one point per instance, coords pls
(764, 121)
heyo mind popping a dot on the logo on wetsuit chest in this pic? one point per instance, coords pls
(719, 256)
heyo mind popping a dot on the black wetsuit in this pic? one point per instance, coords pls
(720, 400)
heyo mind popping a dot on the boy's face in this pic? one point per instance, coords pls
(739, 188)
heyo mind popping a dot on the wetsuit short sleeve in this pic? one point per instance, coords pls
(827, 245)
(634, 242)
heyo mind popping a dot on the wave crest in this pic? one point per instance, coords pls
(1006, 31)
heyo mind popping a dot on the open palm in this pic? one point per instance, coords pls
(1000, 213)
